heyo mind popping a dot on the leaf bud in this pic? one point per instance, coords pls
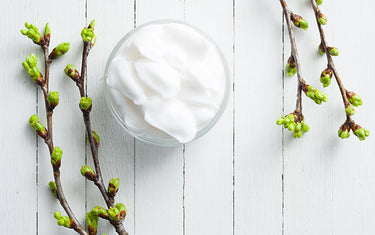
(113, 187)
(72, 72)
(291, 68)
(47, 34)
(85, 104)
(350, 110)
(325, 77)
(333, 51)
(114, 214)
(354, 99)
(121, 207)
(53, 99)
(33, 33)
(60, 50)
(38, 126)
(360, 132)
(56, 157)
(322, 51)
(299, 22)
(322, 18)
(88, 172)
(30, 65)
(92, 222)
(52, 187)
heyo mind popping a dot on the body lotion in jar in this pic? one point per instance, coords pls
(166, 83)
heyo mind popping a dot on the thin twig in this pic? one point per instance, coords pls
(120, 229)
(294, 51)
(330, 63)
(49, 142)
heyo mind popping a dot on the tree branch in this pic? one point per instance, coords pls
(301, 82)
(120, 229)
(49, 141)
(330, 63)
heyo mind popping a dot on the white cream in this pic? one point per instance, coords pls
(167, 81)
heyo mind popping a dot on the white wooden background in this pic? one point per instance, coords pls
(246, 176)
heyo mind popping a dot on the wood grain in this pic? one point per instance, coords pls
(246, 176)
(258, 103)
(209, 160)
(116, 154)
(18, 156)
(158, 170)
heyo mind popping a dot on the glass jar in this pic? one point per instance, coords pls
(165, 141)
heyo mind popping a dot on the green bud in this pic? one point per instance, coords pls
(114, 214)
(291, 68)
(66, 222)
(52, 187)
(113, 186)
(344, 131)
(91, 25)
(305, 127)
(322, 18)
(85, 104)
(88, 172)
(319, 2)
(297, 134)
(354, 99)
(333, 51)
(100, 211)
(87, 34)
(33, 33)
(299, 22)
(92, 222)
(60, 50)
(47, 33)
(343, 134)
(56, 157)
(53, 99)
(96, 138)
(350, 110)
(72, 72)
(315, 94)
(361, 132)
(325, 77)
(38, 126)
(57, 215)
(63, 220)
(30, 65)
(322, 51)
(280, 121)
(121, 207)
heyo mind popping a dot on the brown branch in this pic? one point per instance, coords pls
(49, 142)
(330, 63)
(301, 81)
(120, 229)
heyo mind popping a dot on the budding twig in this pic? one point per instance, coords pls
(295, 121)
(89, 39)
(287, 14)
(350, 99)
(46, 133)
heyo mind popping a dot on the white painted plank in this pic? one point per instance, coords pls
(17, 140)
(113, 20)
(258, 103)
(209, 160)
(325, 176)
(67, 125)
(353, 176)
(308, 167)
(158, 171)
